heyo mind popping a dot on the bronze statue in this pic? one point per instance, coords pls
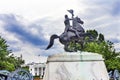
(74, 33)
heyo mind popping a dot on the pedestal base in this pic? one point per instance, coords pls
(76, 66)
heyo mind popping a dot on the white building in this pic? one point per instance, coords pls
(37, 69)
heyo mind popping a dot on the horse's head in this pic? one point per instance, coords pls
(79, 20)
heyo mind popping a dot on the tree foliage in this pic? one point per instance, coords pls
(100, 46)
(7, 61)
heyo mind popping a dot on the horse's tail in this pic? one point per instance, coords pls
(52, 41)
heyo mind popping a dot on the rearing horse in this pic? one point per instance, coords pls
(65, 39)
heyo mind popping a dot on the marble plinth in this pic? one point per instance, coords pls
(75, 66)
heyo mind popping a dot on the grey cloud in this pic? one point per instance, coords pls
(116, 9)
(14, 26)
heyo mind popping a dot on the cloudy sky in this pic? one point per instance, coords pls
(28, 24)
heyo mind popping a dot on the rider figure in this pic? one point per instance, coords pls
(67, 23)
(68, 27)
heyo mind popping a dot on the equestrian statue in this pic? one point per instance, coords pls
(74, 33)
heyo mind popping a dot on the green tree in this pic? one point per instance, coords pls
(93, 33)
(4, 52)
(7, 61)
(101, 37)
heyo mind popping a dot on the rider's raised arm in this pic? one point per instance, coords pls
(70, 19)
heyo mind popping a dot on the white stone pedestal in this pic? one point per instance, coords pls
(75, 66)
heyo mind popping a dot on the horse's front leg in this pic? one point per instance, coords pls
(66, 47)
